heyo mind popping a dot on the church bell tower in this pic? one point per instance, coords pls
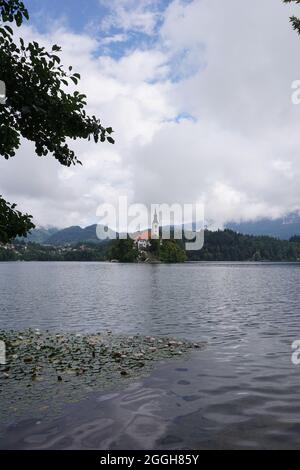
(155, 227)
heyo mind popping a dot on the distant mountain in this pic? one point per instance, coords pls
(39, 235)
(283, 228)
(67, 235)
(74, 235)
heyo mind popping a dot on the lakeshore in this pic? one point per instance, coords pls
(225, 245)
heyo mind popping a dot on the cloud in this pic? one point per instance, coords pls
(120, 92)
(241, 156)
(113, 39)
(202, 111)
(132, 16)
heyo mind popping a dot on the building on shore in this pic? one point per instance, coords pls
(143, 239)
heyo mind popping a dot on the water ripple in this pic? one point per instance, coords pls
(241, 392)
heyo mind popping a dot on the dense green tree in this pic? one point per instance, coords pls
(154, 247)
(231, 246)
(124, 251)
(37, 106)
(36, 252)
(171, 252)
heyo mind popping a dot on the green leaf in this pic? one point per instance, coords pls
(18, 18)
(9, 29)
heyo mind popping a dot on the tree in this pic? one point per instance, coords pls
(172, 252)
(154, 247)
(12, 222)
(294, 20)
(37, 106)
(124, 250)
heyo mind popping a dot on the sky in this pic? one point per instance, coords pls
(198, 93)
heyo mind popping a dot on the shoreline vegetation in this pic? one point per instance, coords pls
(60, 368)
(222, 245)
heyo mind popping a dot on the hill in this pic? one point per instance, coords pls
(223, 245)
(74, 235)
(226, 245)
(283, 228)
(39, 235)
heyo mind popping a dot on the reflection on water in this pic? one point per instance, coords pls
(242, 391)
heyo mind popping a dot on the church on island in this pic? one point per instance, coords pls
(143, 239)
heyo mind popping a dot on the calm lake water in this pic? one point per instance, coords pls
(242, 391)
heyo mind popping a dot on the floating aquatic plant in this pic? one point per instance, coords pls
(44, 370)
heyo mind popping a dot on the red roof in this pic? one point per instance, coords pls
(143, 235)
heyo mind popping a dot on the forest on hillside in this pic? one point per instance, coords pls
(222, 245)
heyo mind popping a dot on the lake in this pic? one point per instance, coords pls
(241, 391)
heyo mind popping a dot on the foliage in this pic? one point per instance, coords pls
(219, 246)
(171, 252)
(12, 222)
(294, 20)
(38, 107)
(124, 251)
(154, 247)
(231, 246)
(13, 10)
(36, 252)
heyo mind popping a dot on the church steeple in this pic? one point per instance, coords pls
(155, 227)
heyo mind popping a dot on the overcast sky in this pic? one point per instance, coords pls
(199, 95)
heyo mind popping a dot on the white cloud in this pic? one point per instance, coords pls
(113, 39)
(241, 98)
(129, 15)
(233, 67)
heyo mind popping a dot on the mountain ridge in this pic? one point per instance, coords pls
(283, 228)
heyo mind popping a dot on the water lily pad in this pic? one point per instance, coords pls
(47, 370)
